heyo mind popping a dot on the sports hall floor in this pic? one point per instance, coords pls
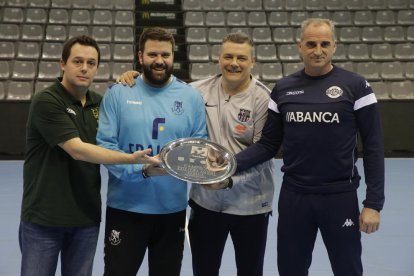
(389, 252)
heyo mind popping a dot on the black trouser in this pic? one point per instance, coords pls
(337, 218)
(208, 233)
(128, 235)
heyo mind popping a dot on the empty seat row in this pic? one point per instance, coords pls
(53, 51)
(282, 18)
(49, 70)
(122, 34)
(295, 4)
(62, 16)
(73, 4)
(289, 52)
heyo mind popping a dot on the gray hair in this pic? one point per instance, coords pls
(318, 22)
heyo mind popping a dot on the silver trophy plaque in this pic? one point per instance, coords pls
(197, 160)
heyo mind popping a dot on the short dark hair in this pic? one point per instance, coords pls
(237, 37)
(155, 33)
(82, 40)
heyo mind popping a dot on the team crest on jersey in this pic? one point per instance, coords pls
(244, 115)
(114, 239)
(334, 92)
(178, 109)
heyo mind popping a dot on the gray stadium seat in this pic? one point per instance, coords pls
(215, 52)
(61, 4)
(103, 4)
(261, 35)
(48, 70)
(409, 70)
(405, 17)
(55, 33)
(252, 5)
(7, 50)
(36, 16)
(78, 30)
(257, 18)
(296, 18)
(288, 52)
(271, 71)
(104, 72)
(272, 5)
(19, 91)
(380, 90)
(372, 34)
(124, 34)
(99, 87)
(124, 18)
(231, 5)
(118, 68)
(23, 70)
(358, 52)
(211, 5)
(404, 51)
(335, 4)
(266, 52)
(278, 18)
(294, 5)
(13, 15)
(128, 5)
(17, 3)
(394, 34)
(402, 90)
(28, 50)
(340, 53)
(410, 33)
(321, 14)
(370, 70)
(284, 35)
(385, 18)
(391, 71)
(81, 4)
(5, 69)
(102, 33)
(2, 90)
(102, 17)
(200, 71)
(58, 16)
(363, 18)
(290, 68)
(236, 18)
(39, 3)
(215, 18)
(41, 85)
(314, 5)
(342, 18)
(80, 17)
(191, 5)
(347, 65)
(244, 30)
(257, 70)
(193, 18)
(376, 4)
(349, 34)
(382, 52)
(123, 52)
(198, 53)
(397, 4)
(32, 32)
(9, 32)
(215, 35)
(105, 50)
(355, 5)
(196, 35)
(52, 51)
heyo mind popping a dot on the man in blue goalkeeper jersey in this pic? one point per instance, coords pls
(146, 208)
(315, 115)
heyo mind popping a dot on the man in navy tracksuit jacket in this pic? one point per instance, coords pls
(315, 115)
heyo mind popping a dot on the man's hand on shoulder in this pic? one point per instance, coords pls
(127, 78)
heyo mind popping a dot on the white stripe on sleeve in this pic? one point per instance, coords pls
(364, 101)
(273, 106)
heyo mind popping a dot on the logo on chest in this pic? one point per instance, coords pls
(177, 108)
(244, 115)
(334, 92)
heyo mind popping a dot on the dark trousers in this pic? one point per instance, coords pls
(337, 218)
(208, 233)
(128, 235)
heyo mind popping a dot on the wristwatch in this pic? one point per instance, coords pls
(229, 184)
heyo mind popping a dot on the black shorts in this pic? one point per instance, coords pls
(128, 235)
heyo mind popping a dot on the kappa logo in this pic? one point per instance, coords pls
(348, 223)
(114, 239)
(70, 111)
(334, 92)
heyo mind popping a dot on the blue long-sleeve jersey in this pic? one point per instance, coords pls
(140, 117)
(316, 121)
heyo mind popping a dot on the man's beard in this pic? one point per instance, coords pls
(152, 79)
